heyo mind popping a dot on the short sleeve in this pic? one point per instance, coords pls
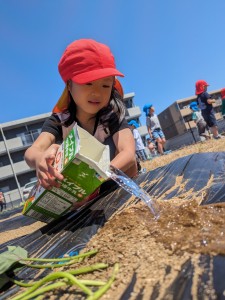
(53, 126)
(207, 96)
(135, 134)
(148, 122)
(117, 126)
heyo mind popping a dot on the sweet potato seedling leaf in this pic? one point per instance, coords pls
(11, 258)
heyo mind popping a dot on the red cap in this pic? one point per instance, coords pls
(199, 86)
(86, 60)
(222, 93)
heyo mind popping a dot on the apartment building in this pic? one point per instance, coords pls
(17, 136)
(176, 119)
(133, 113)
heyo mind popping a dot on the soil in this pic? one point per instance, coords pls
(149, 248)
(146, 248)
(19, 232)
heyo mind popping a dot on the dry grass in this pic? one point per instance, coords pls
(207, 146)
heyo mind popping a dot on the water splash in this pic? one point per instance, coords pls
(132, 188)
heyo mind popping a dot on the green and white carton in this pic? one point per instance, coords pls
(83, 161)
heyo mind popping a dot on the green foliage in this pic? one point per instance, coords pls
(10, 260)
(16, 257)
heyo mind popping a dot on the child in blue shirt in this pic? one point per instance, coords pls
(198, 119)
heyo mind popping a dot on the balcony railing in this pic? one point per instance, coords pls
(19, 142)
(19, 168)
(185, 112)
(133, 112)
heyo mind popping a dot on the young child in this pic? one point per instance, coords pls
(154, 129)
(91, 100)
(205, 102)
(151, 146)
(198, 119)
(139, 145)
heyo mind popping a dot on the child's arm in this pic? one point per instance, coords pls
(40, 156)
(211, 101)
(125, 159)
(209, 98)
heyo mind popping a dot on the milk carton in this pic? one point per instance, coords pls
(83, 161)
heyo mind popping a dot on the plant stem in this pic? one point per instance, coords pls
(88, 269)
(104, 288)
(22, 284)
(83, 281)
(92, 282)
(52, 277)
(89, 253)
(50, 266)
(44, 290)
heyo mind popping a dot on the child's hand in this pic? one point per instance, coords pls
(46, 173)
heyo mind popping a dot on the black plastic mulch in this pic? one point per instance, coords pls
(74, 230)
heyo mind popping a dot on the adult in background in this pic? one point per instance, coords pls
(154, 128)
(139, 145)
(205, 103)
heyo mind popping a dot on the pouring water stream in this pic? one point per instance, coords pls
(132, 188)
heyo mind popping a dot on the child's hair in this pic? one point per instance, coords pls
(108, 116)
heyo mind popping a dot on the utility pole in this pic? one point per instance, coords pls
(11, 162)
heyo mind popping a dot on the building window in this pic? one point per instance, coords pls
(29, 137)
(129, 103)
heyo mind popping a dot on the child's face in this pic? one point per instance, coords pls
(205, 88)
(152, 110)
(93, 96)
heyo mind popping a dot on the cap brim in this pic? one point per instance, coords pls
(95, 75)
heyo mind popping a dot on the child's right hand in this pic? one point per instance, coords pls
(46, 173)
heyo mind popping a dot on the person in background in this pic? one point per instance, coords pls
(91, 100)
(2, 201)
(197, 117)
(223, 102)
(154, 129)
(151, 146)
(139, 145)
(205, 102)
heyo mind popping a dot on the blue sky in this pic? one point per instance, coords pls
(162, 47)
